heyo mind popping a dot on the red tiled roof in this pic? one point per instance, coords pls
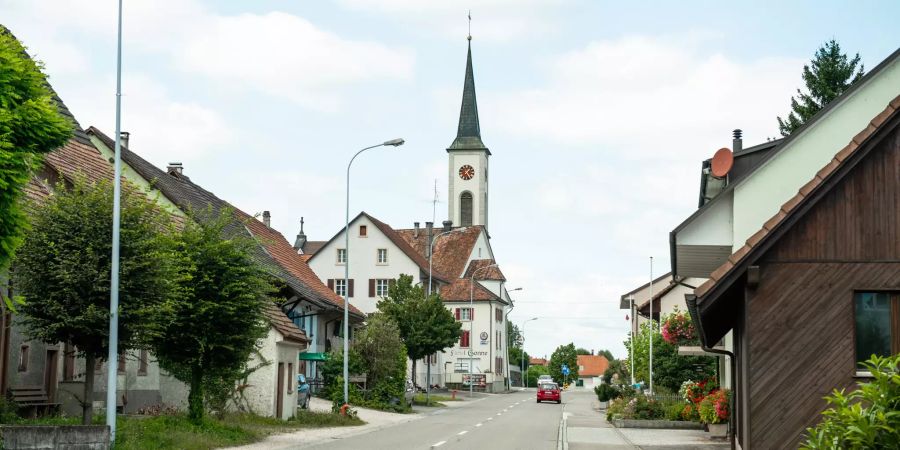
(451, 251)
(493, 273)
(791, 206)
(538, 362)
(594, 365)
(283, 324)
(459, 290)
(311, 247)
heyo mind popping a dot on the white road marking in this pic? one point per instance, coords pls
(462, 432)
(500, 414)
(438, 444)
(477, 424)
(490, 418)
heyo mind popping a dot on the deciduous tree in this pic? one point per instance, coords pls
(564, 354)
(827, 76)
(669, 368)
(63, 268)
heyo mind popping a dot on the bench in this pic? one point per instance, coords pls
(33, 399)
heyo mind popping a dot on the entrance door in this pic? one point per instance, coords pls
(50, 374)
(279, 394)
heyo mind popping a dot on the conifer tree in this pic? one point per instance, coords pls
(828, 75)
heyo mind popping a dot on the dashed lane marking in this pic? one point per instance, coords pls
(462, 432)
(438, 444)
(477, 424)
(490, 418)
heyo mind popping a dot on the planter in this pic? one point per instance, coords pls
(656, 424)
(718, 430)
(603, 405)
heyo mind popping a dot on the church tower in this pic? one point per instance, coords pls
(467, 194)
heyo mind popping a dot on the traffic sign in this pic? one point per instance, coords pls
(565, 370)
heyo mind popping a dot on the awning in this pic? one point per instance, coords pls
(313, 356)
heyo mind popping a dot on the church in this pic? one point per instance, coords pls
(454, 258)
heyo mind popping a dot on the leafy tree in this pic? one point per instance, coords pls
(617, 372)
(63, 270)
(669, 368)
(30, 125)
(608, 354)
(514, 334)
(216, 320)
(831, 73)
(383, 356)
(582, 351)
(426, 325)
(516, 356)
(532, 374)
(564, 354)
(868, 417)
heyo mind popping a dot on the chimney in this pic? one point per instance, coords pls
(737, 144)
(429, 232)
(448, 225)
(267, 219)
(416, 229)
(123, 138)
(175, 168)
(301, 238)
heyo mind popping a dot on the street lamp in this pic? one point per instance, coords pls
(391, 143)
(471, 320)
(506, 317)
(633, 328)
(524, 378)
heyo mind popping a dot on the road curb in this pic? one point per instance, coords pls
(562, 440)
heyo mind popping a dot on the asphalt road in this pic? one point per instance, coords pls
(502, 421)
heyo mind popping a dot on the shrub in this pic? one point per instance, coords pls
(674, 411)
(868, 417)
(606, 392)
(714, 408)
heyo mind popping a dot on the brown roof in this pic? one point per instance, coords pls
(283, 324)
(493, 273)
(451, 251)
(644, 309)
(594, 365)
(460, 289)
(537, 362)
(311, 247)
(726, 274)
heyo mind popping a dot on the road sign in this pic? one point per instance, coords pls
(565, 370)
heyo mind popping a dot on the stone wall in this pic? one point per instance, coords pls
(91, 437)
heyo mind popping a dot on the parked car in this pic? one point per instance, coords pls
(544, 379)
(549, 392)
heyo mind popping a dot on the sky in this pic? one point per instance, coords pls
(598, 114)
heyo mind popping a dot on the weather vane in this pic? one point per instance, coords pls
(470, 25)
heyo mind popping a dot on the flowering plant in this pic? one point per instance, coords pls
(715, 407)
(677, 328)
(695, 391)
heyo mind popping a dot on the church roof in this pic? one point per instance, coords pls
(468, 135)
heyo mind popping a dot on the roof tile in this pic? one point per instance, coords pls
(775, 220)
(895, 103)
(739, 254)
(459, 291)
(451, 251)
(721, 271)
(593, 365)
(846, 151)
(704, 288)
(792, 203)
(493, 273)
(808, 187)
(758, 236)
(824, 172)
(864, 134)
(881, 118)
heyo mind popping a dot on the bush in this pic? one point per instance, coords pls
(606, 392)
(868, 417)
(715, 407)
(674, 411)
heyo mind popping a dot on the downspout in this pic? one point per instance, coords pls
(505, 322)
(691, 301)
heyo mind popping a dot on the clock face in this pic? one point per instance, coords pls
(466, 172)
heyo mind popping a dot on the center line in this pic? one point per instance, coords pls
(499, 414)
(439, 444)
(477, 424)
(462, 432)
(490, 418)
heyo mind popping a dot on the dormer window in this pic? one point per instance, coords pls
(363, 231)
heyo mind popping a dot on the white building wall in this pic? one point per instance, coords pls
(478, 185)
(481, 352)
(260, 395)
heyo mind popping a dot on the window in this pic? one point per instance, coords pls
(23, 358)
(342, 256)
(498, 366)
(340, 287)
(363, 231)
(381, 288)
(464, 314)
(498, 339)
(69, 362)
(290, 379)
(382, 256)
(462, 365)
(464, 339)
(877, 324)
(143, 363)
(498, 314)
(465, 209)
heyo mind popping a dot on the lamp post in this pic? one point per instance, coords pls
(524, 378)
(471, 320)
(506, 317)
(392, 143)
(633, 320)
(651, 325)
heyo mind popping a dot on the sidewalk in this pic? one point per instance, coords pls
(374, 420)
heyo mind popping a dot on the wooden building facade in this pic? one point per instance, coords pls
(813, 293)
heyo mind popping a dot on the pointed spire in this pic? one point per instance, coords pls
(468, 135)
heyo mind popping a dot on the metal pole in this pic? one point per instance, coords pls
(631, 299)
(650, 372)
(524, 378)
(112, 357)
(431, 254)
(471, 320)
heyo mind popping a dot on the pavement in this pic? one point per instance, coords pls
(501, 421)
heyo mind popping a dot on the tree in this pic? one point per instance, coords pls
(30, 126)
(608, 354)
(564, 354)
(384, 357)
(532, 374)
(63, 271)
(617, 372)
(514, 334)
(426, 325)
(582, 351)
(216, 320)
(516, 355)
(831, 73)
(669, 368)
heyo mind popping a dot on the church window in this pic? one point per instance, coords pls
(465, 209)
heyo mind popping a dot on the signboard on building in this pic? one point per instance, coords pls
(484, 337)
(479, 378)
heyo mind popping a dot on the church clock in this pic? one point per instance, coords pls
(466, 172)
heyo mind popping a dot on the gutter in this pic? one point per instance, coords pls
(691, 301)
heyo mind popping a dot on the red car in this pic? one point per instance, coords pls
(549, 392)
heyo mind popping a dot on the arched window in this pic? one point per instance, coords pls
(465, 209)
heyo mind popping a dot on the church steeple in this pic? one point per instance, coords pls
(468, 134)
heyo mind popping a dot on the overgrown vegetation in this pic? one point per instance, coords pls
(669, 368)
(868, 417)
(532, 374)
(30, 126)
(63, 272)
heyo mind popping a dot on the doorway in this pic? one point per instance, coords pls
(50, 374)
(279, 394)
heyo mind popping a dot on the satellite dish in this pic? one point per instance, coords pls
(722, 162)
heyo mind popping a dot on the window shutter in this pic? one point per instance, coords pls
(331, 284)
(350, 288)
(371, 287)
(471, 313)
(457, 313)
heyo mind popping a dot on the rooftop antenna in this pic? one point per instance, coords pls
(434, 202)
(470, 26)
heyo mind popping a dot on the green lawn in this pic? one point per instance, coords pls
(177, 432)
(419, 400)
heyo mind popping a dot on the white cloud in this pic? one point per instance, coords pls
(492, 20)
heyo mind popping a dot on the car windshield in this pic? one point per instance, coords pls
(548, 387)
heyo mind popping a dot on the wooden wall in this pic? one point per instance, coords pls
(800, 318)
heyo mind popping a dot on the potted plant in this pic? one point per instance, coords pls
(715, 410)
(677, 329)
(605, 393)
